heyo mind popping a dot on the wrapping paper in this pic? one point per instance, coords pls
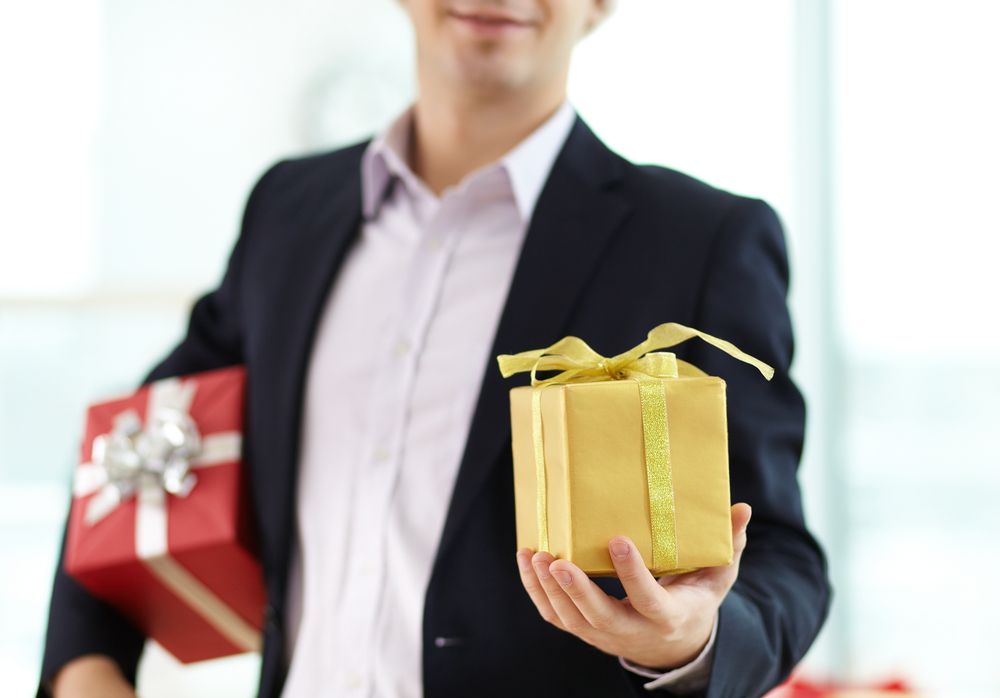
(634, 444)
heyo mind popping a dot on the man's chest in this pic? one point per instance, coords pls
(400, 349)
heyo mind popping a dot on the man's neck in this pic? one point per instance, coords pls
(452, 138)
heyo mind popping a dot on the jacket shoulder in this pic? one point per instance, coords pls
(674, 213)
(307, 177)
(343, 158)
(681, 196)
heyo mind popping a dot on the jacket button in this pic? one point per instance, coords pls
(270, 618)
(441, 641)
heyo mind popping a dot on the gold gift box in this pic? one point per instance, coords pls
(595, 479)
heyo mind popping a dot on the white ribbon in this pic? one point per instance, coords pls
(149, 465)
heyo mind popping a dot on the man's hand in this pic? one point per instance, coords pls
(91, 676)
(662, 624)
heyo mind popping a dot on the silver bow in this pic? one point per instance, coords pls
(132, 457)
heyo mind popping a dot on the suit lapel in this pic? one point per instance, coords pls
(316, 253)
(574, 220)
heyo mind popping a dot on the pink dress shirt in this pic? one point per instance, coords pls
(393, 379)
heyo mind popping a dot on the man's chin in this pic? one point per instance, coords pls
(488, 76)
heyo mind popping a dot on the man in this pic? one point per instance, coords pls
(368, 294)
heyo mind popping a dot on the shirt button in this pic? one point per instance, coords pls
(402, 348)
(354, 680)
(382, 455)
(434, 243)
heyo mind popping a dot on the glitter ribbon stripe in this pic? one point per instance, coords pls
(659, 481)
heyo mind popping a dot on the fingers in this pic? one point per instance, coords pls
(569, 615)
(534, 588)
(568, 599)
(645, 594)
(601, 611)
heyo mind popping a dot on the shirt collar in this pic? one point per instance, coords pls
(527, 164)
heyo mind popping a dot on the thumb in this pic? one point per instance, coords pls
(741, 513)
(720, 578)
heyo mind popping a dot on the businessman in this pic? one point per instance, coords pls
(368, 293)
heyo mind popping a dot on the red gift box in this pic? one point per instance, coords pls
(796, 687)
(160, 525)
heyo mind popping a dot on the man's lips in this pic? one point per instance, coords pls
(488, 23)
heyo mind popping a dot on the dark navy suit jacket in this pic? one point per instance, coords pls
(612, 250)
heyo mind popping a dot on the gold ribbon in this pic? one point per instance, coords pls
(578, 363)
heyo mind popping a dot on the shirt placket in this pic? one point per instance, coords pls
(391, 397)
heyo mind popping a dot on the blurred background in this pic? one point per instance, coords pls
(132, 130)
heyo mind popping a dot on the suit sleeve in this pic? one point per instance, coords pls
(781, 598)
(78, 623)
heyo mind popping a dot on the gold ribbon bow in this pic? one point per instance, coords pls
(578, 363)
